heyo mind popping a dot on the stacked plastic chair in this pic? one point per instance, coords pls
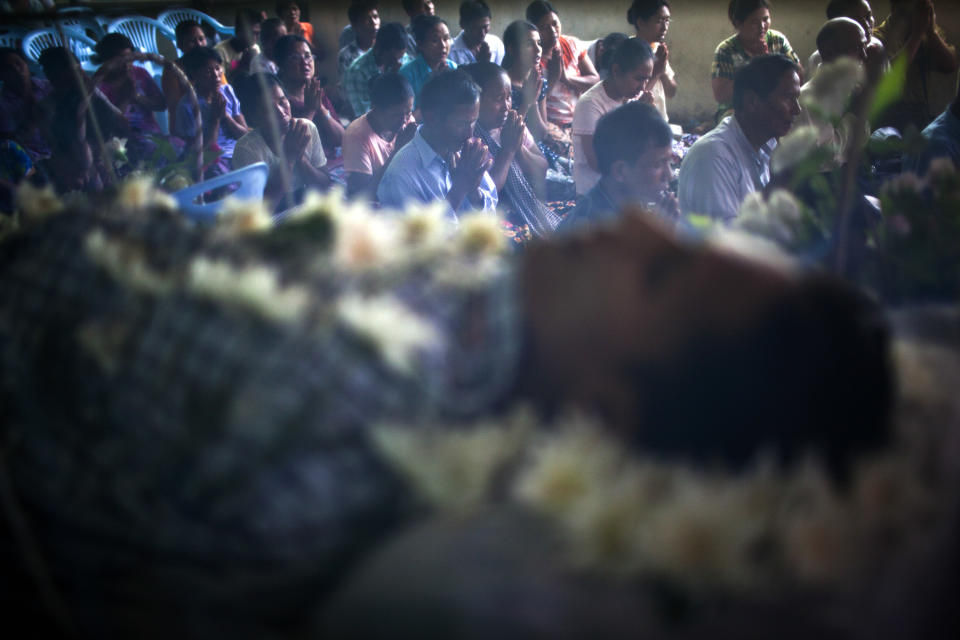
(143, 34)
(82, 46)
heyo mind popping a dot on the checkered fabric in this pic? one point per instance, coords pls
(730, 55)
(199, 464)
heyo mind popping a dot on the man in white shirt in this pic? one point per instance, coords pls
(475, 43)
(733, 160)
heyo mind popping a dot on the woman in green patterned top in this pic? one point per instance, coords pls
(754, 37)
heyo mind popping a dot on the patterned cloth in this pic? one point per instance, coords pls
(20, 119)
(730, 57)
(357, 78)
(184, 462)
(562, 100)
(914, 106)
(347, 55)
(417, 71)
(522, 206)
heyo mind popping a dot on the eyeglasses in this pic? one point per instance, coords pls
(306, 57)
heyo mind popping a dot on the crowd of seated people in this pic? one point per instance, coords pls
(481, 121)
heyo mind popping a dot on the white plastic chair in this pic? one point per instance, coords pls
(143, 34)
(252, 180)
(81, 46)
(170, 19)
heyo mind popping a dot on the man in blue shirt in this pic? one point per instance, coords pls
(632, 145)
(733, 160)
(444, 160)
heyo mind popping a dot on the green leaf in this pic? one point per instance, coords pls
(890, 87)
(698, 221)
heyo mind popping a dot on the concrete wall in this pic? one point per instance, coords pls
(696, 29)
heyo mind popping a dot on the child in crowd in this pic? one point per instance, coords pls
(371, 140)
(630, 71)
(221, 120)
(189, 36)
(271, 30)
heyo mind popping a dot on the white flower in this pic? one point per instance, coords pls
(126, 263)
(783, 206)
(425, 227)
(389, 326)
(450, 467)
(117, 146)
(753, 208)
(364, 240)
(243, 216)
(254, 287)
(140, 192)
(832, 87)
(794, 148)
(36, 204)
(480, 233)
(747, 244)
(567, 467)
(314, 203)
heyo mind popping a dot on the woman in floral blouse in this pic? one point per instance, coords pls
(754, 37)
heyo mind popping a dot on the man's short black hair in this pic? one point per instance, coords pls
(55, 60)
(391, 37)
(471, 10)
(422, 26)
(643, 9)
(252, 91)
(445, 91)
(194, 59)
(627, 132)
(389, 89)
(539, 8)
(358, 9)
(411, 5)
(740, 10)
(760, 76)
(282, 5)
(111, 45)
(484, 73)
(630, 54)
(183, 29)
(840, 8)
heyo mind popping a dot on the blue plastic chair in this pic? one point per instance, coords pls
(82, 46)
(171, 18)
(81, 19)
(252, 180)
(143, 34)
